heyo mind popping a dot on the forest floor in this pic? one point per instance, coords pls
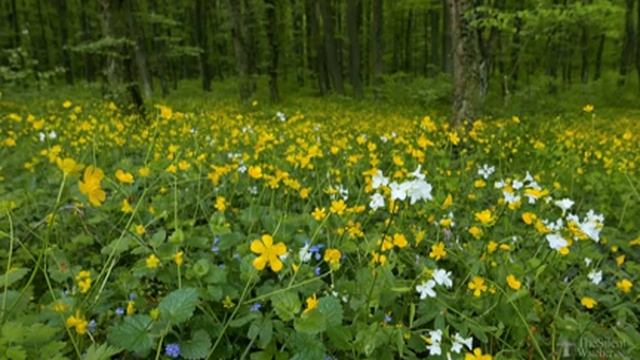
(315, 228)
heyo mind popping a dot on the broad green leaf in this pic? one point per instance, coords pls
(312, 322)
(331, 308)
(132, 334)
(286, 304)
(198, 347)
(101, 352)
(178, 306)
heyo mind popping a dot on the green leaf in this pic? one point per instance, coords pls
(102, 352)
(133, 334)
(311, 323)
(196, 348)
(12, 276)
(178, 306)
(331, 308)
(286, 305)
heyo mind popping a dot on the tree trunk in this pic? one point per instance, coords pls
(298, 40)
(317, 58)
(335, 73)
(138, 53)
(354, 10)
(240, 50)
(64, 40)
(44, 43)
(84, 24)
(599, 52)
(447, 39)
(408, 43)
(628, 48)
(202, 32)
(377, 44)
(435, 41)
(14, 22)
(274, 48)
(466, 97)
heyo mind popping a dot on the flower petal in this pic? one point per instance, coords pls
(260, 262)
(257, 247)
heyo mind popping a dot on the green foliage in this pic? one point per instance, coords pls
(178, 306)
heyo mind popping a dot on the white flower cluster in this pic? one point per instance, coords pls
(416, 189)
(440, 277)
(435, 346)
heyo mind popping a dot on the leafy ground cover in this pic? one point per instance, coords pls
(315, 232)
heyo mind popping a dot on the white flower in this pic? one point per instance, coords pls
(553, 226)
(436, 338)
(595, 276)
(591, 225)
(556, 241)
(42, 136)
(417, 173)
(443, 277)
(383, 139)
(281, 116)
(344, 193)
(498, 184)
(426, 289)
(528, 178)
(459, 341)
(304, 253)
(52, 134)
(418, 190)
(517, 185)
(379, 180)
(587, 261)
(510, 198)
(377, 201)
(564, 204)
(242, 169)
(485, 171)
(253, 190)
(398, 191)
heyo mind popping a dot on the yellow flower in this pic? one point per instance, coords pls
(620, 260)
(338, 207)
(378, 258)
(624, 285)
(319, 214)
(400, 240)
(438, 251)
(477, 285)
(529, 218)
(255, 172)
(126, 207)
(84, 281)
(178, 258)
(184, 165)
(485, 217)
(144, 171)
(171, 169)
(476, 232)
(68, 166)
(479, 184)
(78, 322)
(513, 282)
(492, 246)
(477, 355)
(448, 201)
(332, 256)
(124, 177)
(91, 187)
(59, 307)
(139, 229)
(454, 138)
(152, 261)
(165, 112)
(268, 253)
(588, 302)
(588, 108)
(154, 314)
(227, 302)
(131, 307)
(221, 204)
(67, 104)
(312, 303)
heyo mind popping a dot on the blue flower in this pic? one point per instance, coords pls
(119, 311)
(256, 307)
(133, 296)
(91, 327)
(172, 350)
(387, 318)
(214, 248)
(317, 271)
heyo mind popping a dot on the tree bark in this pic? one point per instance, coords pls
(598, 65)
(274, 48)
(44, 43)
(335, 72)
(64, 40)
(240, 50)
(435, 41)
(447, 37)
(377, 43)
(629, 45)
(138, 54)
(354, 10)
(202, 34)
(466, 97)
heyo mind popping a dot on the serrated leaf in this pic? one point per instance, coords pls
(101, 352)
(331, 308)
(178, 306)
(286, 305)
(12, 276)
(132, 334)
(311, 323)
(196, 348)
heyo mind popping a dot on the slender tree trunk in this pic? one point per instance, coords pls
(354, 10)
(447, 38)
(425, 49)
(274, 47)
(434, 63)
(628, 48)
(202, 33)
(408, 43)
(64, 37)
(84, 24)
(377, 43)
(44, 43)
(138, 54)
(335, 73)
(317, 57)
(598, 69)
(15, 25)
(298, 40)
(240, 49)
(466, 97)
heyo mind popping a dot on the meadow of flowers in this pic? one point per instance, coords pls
(316, 234)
